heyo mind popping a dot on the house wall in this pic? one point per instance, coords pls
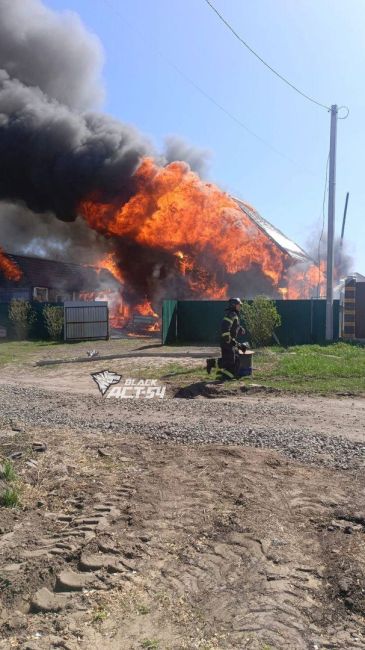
(7, 294)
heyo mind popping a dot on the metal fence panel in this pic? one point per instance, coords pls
(86, 320)
(198, 321)
(169, 321)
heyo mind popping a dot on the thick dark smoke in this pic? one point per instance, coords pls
(53, 52)
(54, 150)
(177, 149)
(51, 157)
(42, 235)
(51, 154)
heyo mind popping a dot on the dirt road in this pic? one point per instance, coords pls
(178, 524)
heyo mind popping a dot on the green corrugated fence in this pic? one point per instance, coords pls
(198, 321)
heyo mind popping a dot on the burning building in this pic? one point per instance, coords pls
(169, 233)
(42, 280)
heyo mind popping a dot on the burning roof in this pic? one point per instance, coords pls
(296, 253)
(40, 272)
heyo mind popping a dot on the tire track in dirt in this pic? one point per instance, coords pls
(224, 544)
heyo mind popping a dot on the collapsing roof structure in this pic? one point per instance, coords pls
(277, 237)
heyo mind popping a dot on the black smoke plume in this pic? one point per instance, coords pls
(54, 151)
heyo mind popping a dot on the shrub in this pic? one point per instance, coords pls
(7, 470)
(23, 317)
(261, 318)
(53, 319)
(10, 498)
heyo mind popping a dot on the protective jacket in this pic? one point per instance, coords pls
(230, 328)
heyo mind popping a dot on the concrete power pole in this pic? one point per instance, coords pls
(331, 223)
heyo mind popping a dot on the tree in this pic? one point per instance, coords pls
(261, 318)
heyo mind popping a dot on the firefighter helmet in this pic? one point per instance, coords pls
(232, 302)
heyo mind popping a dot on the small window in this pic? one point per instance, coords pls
(40, 294)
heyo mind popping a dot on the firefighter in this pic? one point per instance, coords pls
(230, 329)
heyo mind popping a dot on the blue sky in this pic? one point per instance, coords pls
(317, 44)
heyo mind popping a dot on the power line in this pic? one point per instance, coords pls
(229, 26)
(201, 90)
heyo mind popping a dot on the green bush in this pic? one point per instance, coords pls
(53, 319)
(261, 318)
(23, 317)
(10, 498)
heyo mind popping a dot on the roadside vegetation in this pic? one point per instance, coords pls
(338, 368)
(19, 352)
(9, 485)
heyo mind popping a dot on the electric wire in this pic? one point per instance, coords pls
(243, 42)
(204, 93)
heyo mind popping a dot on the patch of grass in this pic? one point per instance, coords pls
(10, 498)
(20, 351)
(150, 644)
(335, 368)
(4, 583)
(143, 609)
(100, 614)
(9, 472)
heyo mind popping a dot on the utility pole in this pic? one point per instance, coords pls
(331, 223)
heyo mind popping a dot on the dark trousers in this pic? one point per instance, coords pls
(229, 360)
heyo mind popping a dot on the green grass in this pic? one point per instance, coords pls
(335, 368)
(10, 498)
(100, 614)
(20, 351)
(8, 471)
(150, 644)
(338, 368)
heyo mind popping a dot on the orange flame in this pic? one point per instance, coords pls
(306, 281)
(9, 268)
(203, 227)
(173, 210)
(111, 265)
(145, 309)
